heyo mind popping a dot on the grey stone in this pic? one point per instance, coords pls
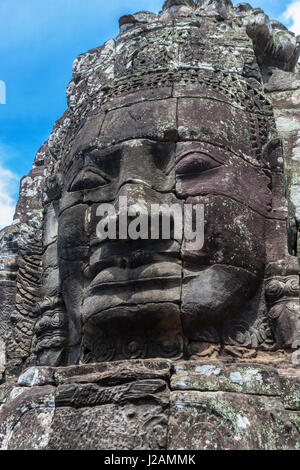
(196, 108)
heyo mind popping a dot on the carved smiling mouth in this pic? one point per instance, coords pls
(129, 267)
(125, 284)
(152, 273)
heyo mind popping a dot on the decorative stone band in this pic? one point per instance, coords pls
(230, 85)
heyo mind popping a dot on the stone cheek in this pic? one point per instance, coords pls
(129, 414)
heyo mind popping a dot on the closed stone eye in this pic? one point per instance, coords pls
(195, 163)
(87, 179)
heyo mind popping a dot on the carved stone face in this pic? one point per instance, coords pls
(130, 290)
(147, 298)
(182, 121)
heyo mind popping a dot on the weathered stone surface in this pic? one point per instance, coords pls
(36, 376)
(222, 174)
(290, 386)
(274, 45)
(283, 89)
(121, 406)
(128, 406)
(25, 421)
(170, 3)
(143, 120)
(109, 427)
(224, 420)
(252, 379)
(194, 108)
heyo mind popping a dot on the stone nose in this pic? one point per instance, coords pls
(134, 174)
(140, 212)
(129, 185)
(136, 199)
(137, 188)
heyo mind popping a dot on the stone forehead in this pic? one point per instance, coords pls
(165, 75)
(205, 116)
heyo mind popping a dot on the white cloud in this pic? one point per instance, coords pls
(292, 16)
(9, 185)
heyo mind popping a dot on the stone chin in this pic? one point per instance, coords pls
(134, 331)
(136, 320)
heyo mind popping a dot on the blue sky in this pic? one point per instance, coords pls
(38, 43)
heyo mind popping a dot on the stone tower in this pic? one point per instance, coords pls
(196, 106)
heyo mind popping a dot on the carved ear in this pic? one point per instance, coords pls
(272, 154)
(51, 332)
(282, 295)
